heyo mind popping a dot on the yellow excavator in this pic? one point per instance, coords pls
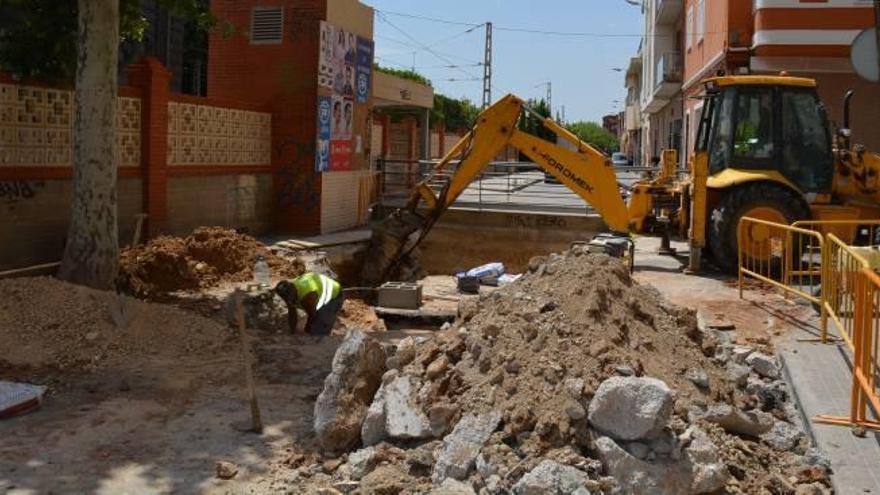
(763, 150)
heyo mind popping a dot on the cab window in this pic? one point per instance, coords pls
(753, 136)
(721, 125)
(806, 144)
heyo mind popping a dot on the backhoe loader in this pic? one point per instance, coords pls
(763, 150)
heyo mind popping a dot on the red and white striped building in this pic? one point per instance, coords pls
(803, 37)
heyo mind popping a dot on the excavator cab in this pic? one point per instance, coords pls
(761, 126)
(766, 147)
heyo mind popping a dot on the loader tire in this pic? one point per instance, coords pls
(763, 200)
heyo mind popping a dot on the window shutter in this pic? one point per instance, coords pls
(267, 25)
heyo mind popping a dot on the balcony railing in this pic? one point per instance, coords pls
(669, 69)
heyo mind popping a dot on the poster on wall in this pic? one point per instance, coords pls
(322, 152)
(340, 155)
(345, 69)
(363, 69)
(325, 58)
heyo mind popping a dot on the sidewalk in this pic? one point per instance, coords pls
(821, 377)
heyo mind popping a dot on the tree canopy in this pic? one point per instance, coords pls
(595, 134)
(454, 113)
(39, 37)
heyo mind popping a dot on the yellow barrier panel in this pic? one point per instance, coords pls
(786, 257)
(842, 264)
(865, 333)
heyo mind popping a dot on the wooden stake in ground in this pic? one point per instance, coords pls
(256, 421)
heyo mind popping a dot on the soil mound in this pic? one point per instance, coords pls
(52, 328)
(577, 372)
(206, 258)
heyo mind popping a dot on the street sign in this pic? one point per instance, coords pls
(864, 57)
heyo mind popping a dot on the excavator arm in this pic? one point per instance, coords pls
(584, 169)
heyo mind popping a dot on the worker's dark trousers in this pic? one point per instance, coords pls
(325, 318)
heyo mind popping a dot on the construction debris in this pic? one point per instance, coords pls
(524, 393)
(206, 258)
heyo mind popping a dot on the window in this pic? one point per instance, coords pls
(721, 130)
(267, 25)
(753, 139)
(701, 20)
(689, 28)
(806, 146)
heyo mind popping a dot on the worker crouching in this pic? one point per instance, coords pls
(318, 295)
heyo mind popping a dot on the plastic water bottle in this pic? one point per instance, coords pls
(261, 272)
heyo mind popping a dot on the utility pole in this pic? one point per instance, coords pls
(550, 97)
(877, 28)
(487, 68)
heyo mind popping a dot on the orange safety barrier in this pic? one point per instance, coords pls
(783, 256)
(865, 336)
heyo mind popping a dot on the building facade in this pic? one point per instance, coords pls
(662, 73)
(808, 38)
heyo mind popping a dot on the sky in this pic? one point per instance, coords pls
(581, 68)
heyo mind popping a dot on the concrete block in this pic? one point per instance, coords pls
(401, 295)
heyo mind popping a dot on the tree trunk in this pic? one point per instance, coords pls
(91, 255)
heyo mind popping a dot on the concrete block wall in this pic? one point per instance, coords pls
(234, 201)
(345, 198)
(34, 215)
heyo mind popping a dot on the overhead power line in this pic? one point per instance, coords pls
(422, 45)
(427, 18)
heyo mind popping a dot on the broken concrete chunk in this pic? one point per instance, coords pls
(362, 461)
(373, 426)
(698, 377)
(738, 374)
(763, 365)
(396, 414)
(461, 447)
(453, 487)
(783, 436)
(551, 477)
(739, 353)
(748, 423)
(709, 474)
(699, 470)
(341, 407)
(630, 408)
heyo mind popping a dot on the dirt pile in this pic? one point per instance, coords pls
(207, 257)
(51, 330)
(543, 387)
(358, 314)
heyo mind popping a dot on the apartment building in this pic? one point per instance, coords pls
(631, 127)
(662, 77)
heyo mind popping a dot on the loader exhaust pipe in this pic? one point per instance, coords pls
(846, 101)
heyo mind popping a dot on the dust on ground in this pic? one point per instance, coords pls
(148, 400)
(206, 258)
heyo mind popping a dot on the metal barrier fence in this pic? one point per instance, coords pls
(848, 291)
(504, 185)
(842, 266)
(865, 396)
(784, 256)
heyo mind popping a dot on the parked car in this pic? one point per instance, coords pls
(619, 159)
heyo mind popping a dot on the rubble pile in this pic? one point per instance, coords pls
(207, 257)
(53, 330)
(573, 380)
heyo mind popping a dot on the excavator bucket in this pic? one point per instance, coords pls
(390, 242)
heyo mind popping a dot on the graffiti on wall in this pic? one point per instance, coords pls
(18, 190)
(296, 183)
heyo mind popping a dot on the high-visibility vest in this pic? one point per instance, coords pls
(311, 282)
